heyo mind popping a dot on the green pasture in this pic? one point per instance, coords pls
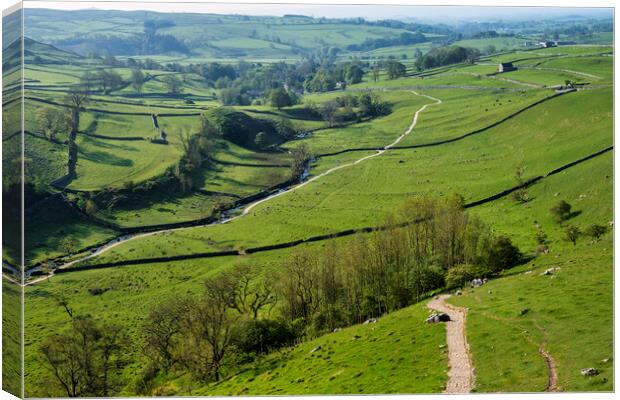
(399, 354)
(163, 208)
(500, 43)
(597, 68)
(463, 111)
(103, 162)
(11, 338)
(47, 225)
(361, 195)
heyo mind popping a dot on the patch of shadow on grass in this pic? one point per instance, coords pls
(101, 157)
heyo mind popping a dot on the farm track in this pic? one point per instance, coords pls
(461, 373)
(454, 139)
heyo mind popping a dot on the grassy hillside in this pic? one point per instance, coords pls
(510, 317)
(398, 354)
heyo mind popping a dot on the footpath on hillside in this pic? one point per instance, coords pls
(461, 374)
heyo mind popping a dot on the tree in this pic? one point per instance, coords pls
(260, 140)
(561, 211)
(211, 322)
(86, 358)
(502, 254)
(459, 275)
(90, 207)
(52, 122)
(395, 69)
(286, 128)
(173, 84)
(375, 73)
(572, 233)
(75, 100)
(328, 112)
(280, 98)
(162, 331)
(321, 81)
(301, 155)
(595, 231)
(371, 105)
(69, 244)
(355, 73)
(520, 195)
(137, 79)
(251, 293)
(89, 81)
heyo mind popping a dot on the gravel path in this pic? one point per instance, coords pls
(461, 374)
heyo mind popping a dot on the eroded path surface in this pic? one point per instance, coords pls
(461, 374)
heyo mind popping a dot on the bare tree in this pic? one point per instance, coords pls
(75, 100)
(251, 294)
(83, 358)
(162, 330)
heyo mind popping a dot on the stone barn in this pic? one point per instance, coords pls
(505, 67)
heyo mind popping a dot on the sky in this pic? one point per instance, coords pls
(416, 12)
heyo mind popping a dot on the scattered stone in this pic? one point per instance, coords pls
(458, 293)
(524, 311)
(356, 337)
(401, 161)
(605, 360)
(489, 291)
(550, 271)
(337, 329)
(528, 272)
(557, 194)
(434, 318)
(589, 371)
(478, 282)
(610, 223)
(370, 321)
(317, 348)
(582, 196)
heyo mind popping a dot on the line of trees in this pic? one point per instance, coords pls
(242, 313)
(350, 108)
(104, 80)
(405, 38)
(445, 56)
(86, 358)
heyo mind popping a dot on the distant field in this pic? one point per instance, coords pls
(500, 43)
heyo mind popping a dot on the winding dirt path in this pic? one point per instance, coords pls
(552, 385)
(123, 239)
(461, 374)
(329, 171)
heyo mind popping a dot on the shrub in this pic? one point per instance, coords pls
(561, 211)
(595, 231)
(502, 254)
(541, 237)
(572, 233)
(260, 335)
(459, 275)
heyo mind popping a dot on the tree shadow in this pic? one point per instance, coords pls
(101, 157)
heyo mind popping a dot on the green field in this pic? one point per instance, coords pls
(315, 166)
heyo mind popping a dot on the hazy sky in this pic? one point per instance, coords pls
(435, 13)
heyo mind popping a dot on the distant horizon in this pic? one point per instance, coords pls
(422, 13)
